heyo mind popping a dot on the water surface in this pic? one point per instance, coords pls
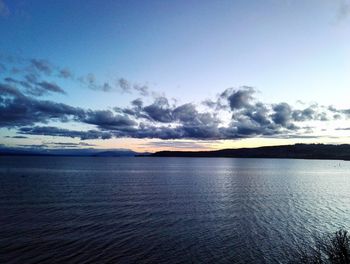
(166, 210)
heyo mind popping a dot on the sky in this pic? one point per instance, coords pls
(173, 75)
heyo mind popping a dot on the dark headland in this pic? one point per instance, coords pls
(297, 151)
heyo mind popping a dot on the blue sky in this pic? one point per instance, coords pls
(186, 52)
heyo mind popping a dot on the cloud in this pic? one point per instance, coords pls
(61, 132)
(33, 87)
(137, 103)
(127, 87)
(232, 98)
(282, 115)
(124, 85)
(42, 66)
(235, 113)
(65, 73)
(106, 119)
(38, 69)
(160, 119)
(69, 144)
(33, 146)
(52, 87)
(159, 111)
(239, 98)
(17, 137)
(91, 82)
(142, 89)
(17, 109)
(310, 113)
(33, 76)
(339, 112)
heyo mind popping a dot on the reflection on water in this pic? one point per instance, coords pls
(166, 210)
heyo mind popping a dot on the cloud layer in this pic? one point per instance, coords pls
(235, 113)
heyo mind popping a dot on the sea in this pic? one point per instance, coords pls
(167, 210)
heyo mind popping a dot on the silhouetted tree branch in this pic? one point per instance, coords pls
(330, 249)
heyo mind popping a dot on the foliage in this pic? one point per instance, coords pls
(330, 249)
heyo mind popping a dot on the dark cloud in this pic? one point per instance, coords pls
(17, 137)
(34, 68)
(160, 132)
(17, 109)
(31, 75)
(135, 111)
(210, 103)
(65, 73)
(346, 112)
(42, 66)
(233, 99)
(137, 103)
(10, 80)
(33, 146)
(91, 82)
(105, 119)
(310, 113)
(141, 89)
(186, 113)
(69, 144)
(239, 98)
(127, 87)
(303, 115)
(257, 113)
(39, 69)
(124, 85)
(337, 116)
(61, 132)
(52, 87)
(282, 114)
(341, 112)
(159, 111)
(245, 128)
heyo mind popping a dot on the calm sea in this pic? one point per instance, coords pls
(166, 210)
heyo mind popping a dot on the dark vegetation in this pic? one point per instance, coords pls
(330, 249)
(297, 151)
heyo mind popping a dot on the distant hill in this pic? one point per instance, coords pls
(297, 151)
(87, 152)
